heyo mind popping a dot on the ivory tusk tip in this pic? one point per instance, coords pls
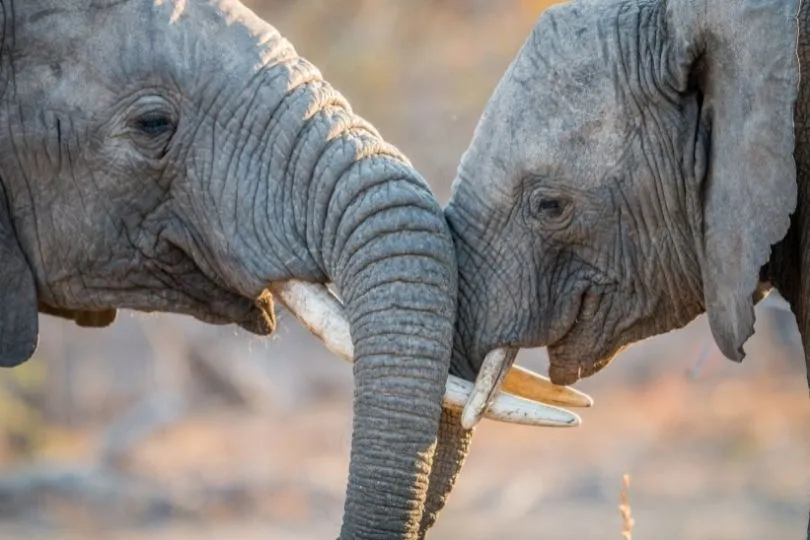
(575, 398)
(515, 410)
(504, 407)
(469, 418)
(569, 397)
(585, 401)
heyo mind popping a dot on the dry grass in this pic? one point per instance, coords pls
(625, 510)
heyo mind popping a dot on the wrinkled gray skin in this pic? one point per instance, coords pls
(632, 170)
(177, 156)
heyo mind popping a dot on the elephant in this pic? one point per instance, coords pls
(180, 156)
(639, 163)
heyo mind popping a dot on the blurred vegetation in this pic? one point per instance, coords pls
(22, 421)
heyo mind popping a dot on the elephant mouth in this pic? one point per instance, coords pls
(207, 302)
(498, 373)
(260, 319)
(586, 348)
(568, 359)
(525, 394)
(564, 371)
(569, 364)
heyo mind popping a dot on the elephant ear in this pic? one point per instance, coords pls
(742, 58)
(19, 328)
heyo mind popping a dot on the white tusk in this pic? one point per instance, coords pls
(322, 314)
(510, 409)
(529, 385)
(493, 370)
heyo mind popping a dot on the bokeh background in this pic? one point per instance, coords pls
(163, 428)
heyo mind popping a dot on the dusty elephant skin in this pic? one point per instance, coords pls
(640, 163)
(179, 156)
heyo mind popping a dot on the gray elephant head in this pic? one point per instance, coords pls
(179, 156)
(630, 172)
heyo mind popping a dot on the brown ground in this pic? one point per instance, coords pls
(257, 434)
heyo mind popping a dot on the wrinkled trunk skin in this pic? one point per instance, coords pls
(316, 194)
(452, 446)
(391, 264)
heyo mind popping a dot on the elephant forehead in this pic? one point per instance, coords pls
(556, 139)
(557, 106)
(559, 137)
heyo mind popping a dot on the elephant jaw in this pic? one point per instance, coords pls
(523, 391)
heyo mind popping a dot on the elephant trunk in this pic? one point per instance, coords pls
(452, 446)
(387, 250)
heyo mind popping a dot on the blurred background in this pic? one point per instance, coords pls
(163, 428)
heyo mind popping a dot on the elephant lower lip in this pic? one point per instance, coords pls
(256, 316)
(258, 325)
(563, 367)
(564, 375)
(566, 368)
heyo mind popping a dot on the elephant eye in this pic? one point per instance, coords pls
(551, 207)
(151, 129)
(154, 124)
(543, 206)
